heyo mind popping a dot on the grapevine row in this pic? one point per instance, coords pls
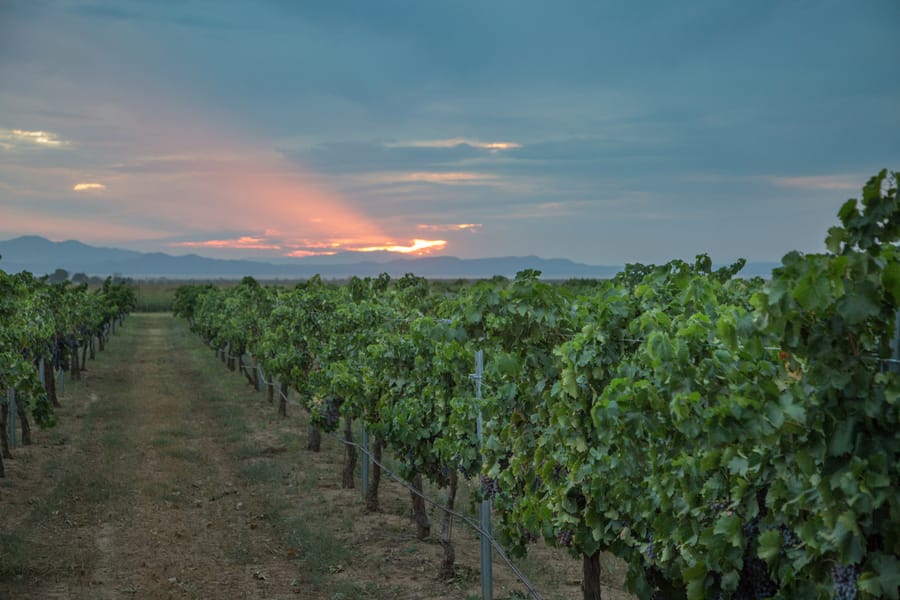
(726, 438)
(43, 327)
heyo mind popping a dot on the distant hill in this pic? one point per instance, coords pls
(41, 256)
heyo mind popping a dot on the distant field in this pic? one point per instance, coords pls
(155, 297)
(158, 296)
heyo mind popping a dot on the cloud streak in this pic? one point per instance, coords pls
(88, 187)
(820, 182)
(21, 139)
(472, 227)
(457, 141)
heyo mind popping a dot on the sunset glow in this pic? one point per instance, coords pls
(231, 131)
(306, 248)
(417, 247)
(245, 242)
(86, 187)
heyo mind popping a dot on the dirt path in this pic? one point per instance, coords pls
(170, 477)
(148, 502)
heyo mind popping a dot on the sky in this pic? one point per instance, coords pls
(606, 132)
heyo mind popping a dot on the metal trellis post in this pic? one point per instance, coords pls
(895, 366)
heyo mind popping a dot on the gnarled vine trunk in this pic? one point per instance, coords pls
(270, 392)
(4, 430)
(350, 456)
(375, 477)
(50, 386)
(74, 371)
(591, 575)
(24, 424)
(249, 372)
(313, 438)
(256, 379)
(282, 400)
(420, 516)
(229, 357)
(448, 564)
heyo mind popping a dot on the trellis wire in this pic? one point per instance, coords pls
(485, 535)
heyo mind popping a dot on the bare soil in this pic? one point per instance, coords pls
(170, 477)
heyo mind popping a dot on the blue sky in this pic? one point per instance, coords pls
(604, 132)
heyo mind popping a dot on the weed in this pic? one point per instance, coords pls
(261, 472)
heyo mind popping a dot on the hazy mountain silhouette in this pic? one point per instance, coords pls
(41, 256)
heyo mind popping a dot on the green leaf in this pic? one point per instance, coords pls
(847, 538)
(812, 292)
(890, 278)
(835, 240)
(738, 465)
(694, 576)
(770, 543)
(568, 382)
(858, 307)
(885, 581)
(730, 527)
(842, 439)
(848, 210)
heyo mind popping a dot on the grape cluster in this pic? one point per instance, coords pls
(791, 540)
(529, 536)
(489, 487)
(751, 529)
(564, 538)
(467, 473)
(649, 552)
(843, 579)
(331, 414)
(755, 582)
(559, 473)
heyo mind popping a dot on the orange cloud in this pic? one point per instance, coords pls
(194, 180)
(244, 242)
(417, 247)
(308, 247)
(86, 187)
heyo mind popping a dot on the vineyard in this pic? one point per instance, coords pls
(49, 331)
(723, 437)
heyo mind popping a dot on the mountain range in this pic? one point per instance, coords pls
(42, 256)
